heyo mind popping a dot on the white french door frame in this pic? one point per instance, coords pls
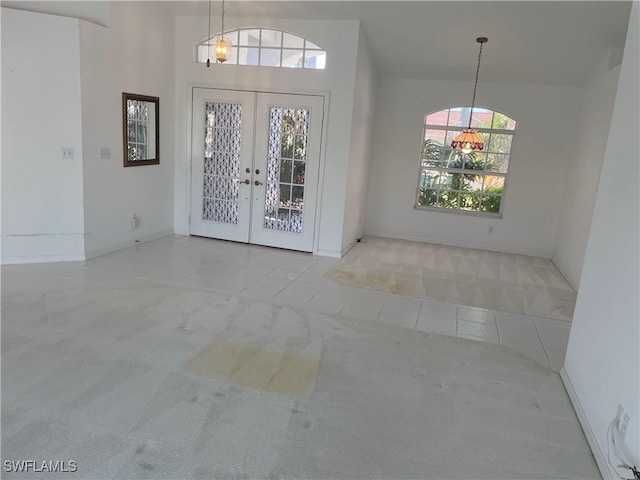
(188, 131)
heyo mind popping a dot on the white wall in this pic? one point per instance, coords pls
(546, 118)
(42, 212)
(96, 11)
(576, 208)
(602, 362)
(136, 55)
(340, 40)
(361, 138)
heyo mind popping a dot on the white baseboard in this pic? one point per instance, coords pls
(42, 259)
(410, 238)
(329, 253)
(601, 459)
(114, 248)
(348, 247)
(573, 284)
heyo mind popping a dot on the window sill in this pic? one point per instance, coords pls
(494, 216)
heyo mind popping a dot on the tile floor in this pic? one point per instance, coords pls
(296, 280)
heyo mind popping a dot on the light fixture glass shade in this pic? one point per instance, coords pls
(468, 141)
(222, 49)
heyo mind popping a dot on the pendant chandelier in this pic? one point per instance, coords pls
(221, 46)
(469, 140)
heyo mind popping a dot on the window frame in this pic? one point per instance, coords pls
(463, 171)
(152, 127)
(234, 36)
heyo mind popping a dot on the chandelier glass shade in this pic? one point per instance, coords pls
(222, 49)
(468, 141)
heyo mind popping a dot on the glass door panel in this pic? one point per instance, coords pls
(285, 197)
(222, 151)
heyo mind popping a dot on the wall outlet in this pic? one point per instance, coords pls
(622, 422)
(135, 221)
(67, 153)
(490, 228)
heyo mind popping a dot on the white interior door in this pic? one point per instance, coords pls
(255, 167)
(287, 163)
(222, 160)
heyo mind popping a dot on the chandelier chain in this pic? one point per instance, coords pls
(209, 38)
(222, 18)
(475, 87)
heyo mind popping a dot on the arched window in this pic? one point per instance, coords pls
(266, 48)
(452, 180)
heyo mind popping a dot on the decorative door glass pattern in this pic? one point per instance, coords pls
(222, 141)
(286, 165)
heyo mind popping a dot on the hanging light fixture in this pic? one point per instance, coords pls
(221, 46)
(469, 140)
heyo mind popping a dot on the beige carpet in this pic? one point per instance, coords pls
(117, 380)
(497, 281)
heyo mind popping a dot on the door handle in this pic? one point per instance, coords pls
(257, 183)
(246, 182)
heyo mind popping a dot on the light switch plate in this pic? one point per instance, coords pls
(105, 153)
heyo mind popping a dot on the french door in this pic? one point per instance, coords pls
(255, 166)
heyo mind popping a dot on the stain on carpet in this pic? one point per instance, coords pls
(367, 278)
(271, 370)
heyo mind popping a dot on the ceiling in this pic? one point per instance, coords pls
(541, 42)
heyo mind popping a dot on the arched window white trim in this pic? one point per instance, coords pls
(450, 180)
(267, 48)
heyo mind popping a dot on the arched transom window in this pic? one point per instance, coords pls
(452, 180)
(267, 48)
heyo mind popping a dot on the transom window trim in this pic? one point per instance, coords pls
(483, 119)
(450, 180)
(267, 48)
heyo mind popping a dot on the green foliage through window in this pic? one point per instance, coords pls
(474, 182)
